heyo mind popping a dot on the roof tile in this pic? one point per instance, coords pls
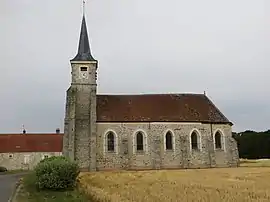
(158, 108)
(31, 143)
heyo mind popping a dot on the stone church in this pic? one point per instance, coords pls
(143, 131)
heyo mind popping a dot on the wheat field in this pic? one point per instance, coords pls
(202, 185)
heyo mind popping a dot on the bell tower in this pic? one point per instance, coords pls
(79, 142)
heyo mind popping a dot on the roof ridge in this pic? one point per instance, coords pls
(142, 94)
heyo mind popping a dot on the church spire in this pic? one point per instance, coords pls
(84, 51)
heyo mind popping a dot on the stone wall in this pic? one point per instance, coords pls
(24, 160)
(79, 139)
(155, 156)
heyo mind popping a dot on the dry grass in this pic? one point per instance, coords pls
(208, 185)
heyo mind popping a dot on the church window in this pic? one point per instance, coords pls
(194, 140)
(110, 141)
(218, 140)
(139, 140)
(168, 139)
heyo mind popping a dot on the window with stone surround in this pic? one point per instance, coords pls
(110, 142)
(139, 141)
(194, 140)
(169, 141)
(218, 140)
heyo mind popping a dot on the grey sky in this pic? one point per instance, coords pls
(152, 46)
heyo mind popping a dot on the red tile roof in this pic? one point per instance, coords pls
(31, 143)
(158, 108)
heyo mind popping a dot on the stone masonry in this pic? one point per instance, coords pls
(79, 140)
(155, 156)
(24, 160)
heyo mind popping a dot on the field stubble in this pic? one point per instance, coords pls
(204, 185)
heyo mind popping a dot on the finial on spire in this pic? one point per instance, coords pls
(83, 7)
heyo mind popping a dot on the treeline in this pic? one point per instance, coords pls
(253, 145)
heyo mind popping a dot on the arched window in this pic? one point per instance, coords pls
(218, 140)
(110, 141)
(139, 141)
(168, 139)
(194, 140)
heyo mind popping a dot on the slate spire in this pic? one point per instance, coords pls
(84, 51)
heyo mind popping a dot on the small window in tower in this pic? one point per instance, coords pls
(83, 69)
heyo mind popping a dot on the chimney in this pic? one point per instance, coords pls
(204, 92)
(57, 130)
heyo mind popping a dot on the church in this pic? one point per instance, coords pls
(143, 131)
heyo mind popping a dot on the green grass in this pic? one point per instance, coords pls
(255, 163)
(29, 193)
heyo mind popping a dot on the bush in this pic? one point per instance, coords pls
(3, 169)
(54, 158)
(56, 173)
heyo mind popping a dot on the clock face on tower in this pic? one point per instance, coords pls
(84, 72)
(84, 75)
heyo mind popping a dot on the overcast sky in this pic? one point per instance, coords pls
(143, 46)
